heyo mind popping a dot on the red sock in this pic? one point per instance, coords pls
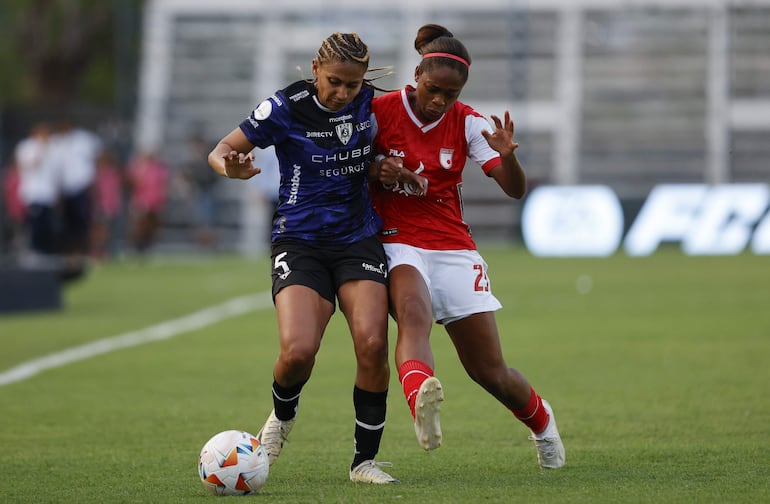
(411, 374)
(533, 415)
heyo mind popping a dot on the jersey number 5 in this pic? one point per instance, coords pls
(281, 265)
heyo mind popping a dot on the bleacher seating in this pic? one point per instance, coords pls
(641, 115)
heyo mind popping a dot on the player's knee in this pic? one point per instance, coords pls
(373, 350)
(491, 379)
(298, 356)
(414, 312)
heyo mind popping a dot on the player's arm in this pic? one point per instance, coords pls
(510, 174)
(391, 173)
(232, 156)
(387, 170)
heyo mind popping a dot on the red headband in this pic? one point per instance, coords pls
(446, 55)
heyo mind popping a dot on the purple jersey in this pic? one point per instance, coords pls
(323, 158)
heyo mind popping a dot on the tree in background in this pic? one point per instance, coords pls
(65, 51)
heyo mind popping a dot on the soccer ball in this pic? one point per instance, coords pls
(233, 462)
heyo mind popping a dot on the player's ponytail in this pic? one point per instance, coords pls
(439, 47)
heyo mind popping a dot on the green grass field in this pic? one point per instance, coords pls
(659, 377)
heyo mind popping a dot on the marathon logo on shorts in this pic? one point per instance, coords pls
(381, 269)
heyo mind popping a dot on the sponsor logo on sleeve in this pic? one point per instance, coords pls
(263, 111)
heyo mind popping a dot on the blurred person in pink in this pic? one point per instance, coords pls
(14, 211)
(107, 204)
(148, 182)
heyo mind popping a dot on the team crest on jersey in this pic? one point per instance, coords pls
(344, 132)
(445, 157)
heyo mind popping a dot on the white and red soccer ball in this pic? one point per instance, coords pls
(233, 462)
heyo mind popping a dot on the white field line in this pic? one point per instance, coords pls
(159, 332)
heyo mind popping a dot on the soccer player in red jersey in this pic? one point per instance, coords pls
(436, 272)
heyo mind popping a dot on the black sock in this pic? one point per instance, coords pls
(370, 423)
(286, 400)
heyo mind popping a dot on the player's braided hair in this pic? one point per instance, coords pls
(348, 47)
(341, 47)
(434, 38)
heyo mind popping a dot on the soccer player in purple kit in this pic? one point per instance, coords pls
(324, 242)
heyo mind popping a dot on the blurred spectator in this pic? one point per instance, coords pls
(14, 211)
(107, 205)
(260, 200)
(269, 180)
(74, 152)
(204, 181)
(148, 182)
(38, 191)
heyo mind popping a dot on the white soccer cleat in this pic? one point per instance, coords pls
(550, 450)
(427, 406)
(369, 471)
(274, 434)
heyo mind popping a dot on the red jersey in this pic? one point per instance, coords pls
(437, 151)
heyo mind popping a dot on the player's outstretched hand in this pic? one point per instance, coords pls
(239, 165)
(501, 139)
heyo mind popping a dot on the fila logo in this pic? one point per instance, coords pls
(396, 152)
